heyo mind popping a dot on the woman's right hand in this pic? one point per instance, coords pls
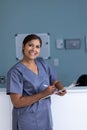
(49, 90)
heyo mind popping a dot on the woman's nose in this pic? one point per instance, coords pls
(34, 47)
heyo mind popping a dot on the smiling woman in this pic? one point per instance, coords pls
(26, 82)
(31, 47)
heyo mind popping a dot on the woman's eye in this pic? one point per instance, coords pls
(30, 45)
(37, 46)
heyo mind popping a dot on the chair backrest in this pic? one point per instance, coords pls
(82, 80)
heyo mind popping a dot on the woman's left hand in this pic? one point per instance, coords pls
(62, 92)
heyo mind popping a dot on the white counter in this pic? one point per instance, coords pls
(5, 110)
(69, 111)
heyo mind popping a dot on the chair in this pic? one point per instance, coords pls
(82, 80)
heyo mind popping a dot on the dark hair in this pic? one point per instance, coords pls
(32, 37)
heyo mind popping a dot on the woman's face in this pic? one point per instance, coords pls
(31, 49)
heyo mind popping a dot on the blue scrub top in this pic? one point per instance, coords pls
(21, 80)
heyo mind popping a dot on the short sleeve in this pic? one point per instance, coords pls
(50, 70)
(52, 74)
(14, 82)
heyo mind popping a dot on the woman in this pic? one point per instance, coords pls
(28, 82)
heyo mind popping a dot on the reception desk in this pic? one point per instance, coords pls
(5, 111)
(69, 112)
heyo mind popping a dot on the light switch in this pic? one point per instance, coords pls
(56, 62)
(59, 43)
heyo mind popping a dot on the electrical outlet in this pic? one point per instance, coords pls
(2, 79)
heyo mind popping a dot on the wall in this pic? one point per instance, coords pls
(62, 19)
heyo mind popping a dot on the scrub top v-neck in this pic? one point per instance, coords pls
(21, 80)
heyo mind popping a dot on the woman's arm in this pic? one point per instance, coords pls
(21, 101)
(60, 86)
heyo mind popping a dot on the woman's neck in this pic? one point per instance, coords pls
(31, 65)
(28, 61)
